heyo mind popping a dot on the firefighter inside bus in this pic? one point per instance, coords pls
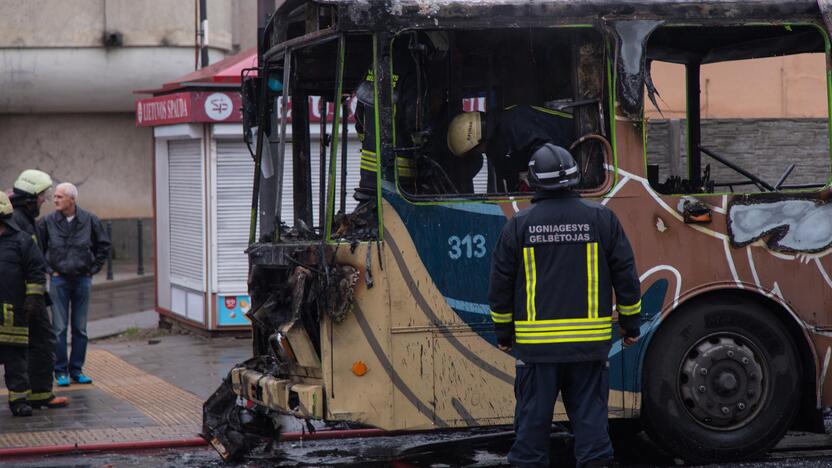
(538, 86)
(529, 80)
(412, 106)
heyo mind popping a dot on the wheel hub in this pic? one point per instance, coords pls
(721, 381)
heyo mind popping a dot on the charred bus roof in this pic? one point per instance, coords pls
(392, 15)
(305, 22)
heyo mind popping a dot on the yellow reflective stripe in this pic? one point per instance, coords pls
(11, 330)
(14, 396)
(8, 328)
(592, 279)
(401, 161)
(13, 339)
(629, 310)
(371, 77)
(8, 315)
(539, 334)
(566, 320)
(369, 161)
(501, 318)
(541, 329)
(552, 112)
(40, 395)
(531, 282)
(563, 339)
(34, 289)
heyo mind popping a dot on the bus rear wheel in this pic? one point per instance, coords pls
(721, 381)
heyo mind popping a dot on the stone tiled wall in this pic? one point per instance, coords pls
(764, 147)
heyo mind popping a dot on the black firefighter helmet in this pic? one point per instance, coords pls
(553, 168)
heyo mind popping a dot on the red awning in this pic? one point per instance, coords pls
(223, 73)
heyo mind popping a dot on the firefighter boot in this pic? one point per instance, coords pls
(20, 408)
(51, 402)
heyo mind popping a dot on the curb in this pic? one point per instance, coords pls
(104, 284)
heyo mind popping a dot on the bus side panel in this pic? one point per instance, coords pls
(363, 336)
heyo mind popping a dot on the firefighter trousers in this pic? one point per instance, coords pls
(585, 390)
(17, 380)
(42, 344)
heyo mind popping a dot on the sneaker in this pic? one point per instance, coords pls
(21, 409)
(53, 402)
(62, 380)
(81, 379)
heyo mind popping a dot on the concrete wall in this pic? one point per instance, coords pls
(66, 100)
(244, 24)
(762, 114)
(82, 23)
(105, 155)
(764, 147)
(56, 56)
(125, 238)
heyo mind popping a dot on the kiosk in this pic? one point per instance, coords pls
(203, 173)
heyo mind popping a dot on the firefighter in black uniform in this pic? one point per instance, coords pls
(509, 146)
(411, 113)
(404, 97)
(554, 270)
(27, 197)
(22, 287)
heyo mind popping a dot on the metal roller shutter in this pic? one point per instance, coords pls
(481, 179)
(187, 222)
(234, 184)
(353, 177)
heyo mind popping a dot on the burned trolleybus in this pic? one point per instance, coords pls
(370, 299)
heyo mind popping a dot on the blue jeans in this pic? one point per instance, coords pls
(70, 300)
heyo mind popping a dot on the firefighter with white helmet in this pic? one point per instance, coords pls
(28, 195)
(22, 288)
(517, 132)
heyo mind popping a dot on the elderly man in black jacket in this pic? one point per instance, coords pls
(76, 247)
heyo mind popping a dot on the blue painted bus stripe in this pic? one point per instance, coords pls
(474, 307)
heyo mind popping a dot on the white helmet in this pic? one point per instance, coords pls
(465, 132)
(6, 208)
(32, 182)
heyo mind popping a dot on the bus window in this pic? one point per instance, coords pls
(308, 163)
(748, 103)
(519, 88)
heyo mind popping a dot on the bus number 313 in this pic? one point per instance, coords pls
(470, 246)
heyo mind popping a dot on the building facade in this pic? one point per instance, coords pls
(67, 75)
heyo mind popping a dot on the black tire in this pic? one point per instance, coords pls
(684, 406)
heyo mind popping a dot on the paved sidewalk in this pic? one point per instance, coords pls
(148, 388)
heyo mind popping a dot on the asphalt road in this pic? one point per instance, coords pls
(409, 451)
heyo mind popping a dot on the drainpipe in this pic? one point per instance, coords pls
(203, 33)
